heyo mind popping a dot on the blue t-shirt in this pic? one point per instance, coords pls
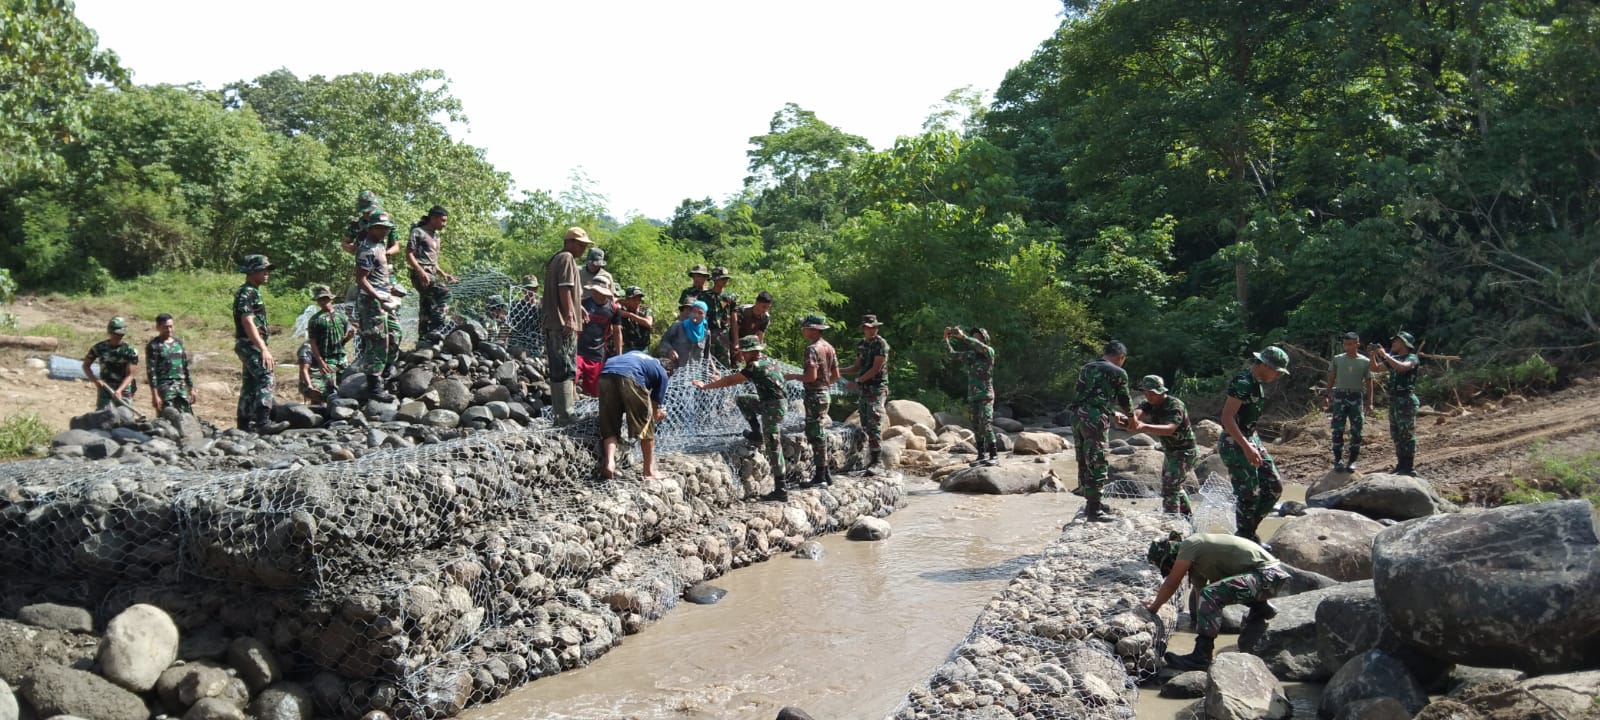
(642, 369)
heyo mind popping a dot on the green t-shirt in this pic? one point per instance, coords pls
(1351, 373)
(1216, 556)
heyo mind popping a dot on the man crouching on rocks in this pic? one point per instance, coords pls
(1230, 570)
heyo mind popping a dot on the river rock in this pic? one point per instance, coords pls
(1385, 496)
(1206, 434)
(1330, 481)
(55, 690)
(195, 682)
(1384, 708)
(282, 701)
(499, 410)
(491, 393)
(58, 617)
(441, 418)
(704, 593)
(414, 382)
(1186, 686)
(1464, 678)
(1211, 465)
(139, 643)
(1303, 581)
(1448, 710)
(1039, 443)
(411, 411)
(76, 437)
(453, 395)
(1514, 586)
(214, 709)
(1288, 642)
(809, 550)
(1006, 424)
(1335, 543)
(458, 343)
(8, 703)
(867, 527)
(994, 480)
(910, 412)
(254, 662)
(477, 415)
(1241, 688)
(1372, 674)
(1564, 696)
(793, 713)
(301, 416)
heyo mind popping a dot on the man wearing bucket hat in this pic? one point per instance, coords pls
(1229, 570)
(699, 275)
(1256, 483)
(1348, 396)
(250, 345)
(167, 369)
(1102, 399)
(375, 307)
(594, 271)
(1166, 417)
(637, 322)
(118, 363)
(328, 332)
(763, 410)
(871, 370)
(1401, 362)
(368, 206)
(819, 371)
(563, 317)
(720, 306)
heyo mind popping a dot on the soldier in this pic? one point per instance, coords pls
(367, 207)
(593, 271)
(698, 275)
(496, 325)
(754, 318)
(819, 371)
(380, 339)
(1228, 570)
(563, 319)
(1349, 394)
(1166, 417)
(1401, 362)
(601, 336)
(978, 357)
(763, 410)
(118, 363)
(525, 319)
(720, 306)
(1256, 483)
(250, 344)
(328, 332)
(633, 388)
(636, 320)
(871, 369)
(1100, 400)
(422, 257)
(168, 370)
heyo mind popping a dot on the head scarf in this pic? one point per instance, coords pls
(696, 330)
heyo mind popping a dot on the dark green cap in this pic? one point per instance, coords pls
(254, 264)
(1405, 337)
(1275, 358)
(751, 343)
(814, 321)
(1153, 383)
(117, 326)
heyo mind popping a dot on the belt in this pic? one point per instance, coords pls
(1337, 392)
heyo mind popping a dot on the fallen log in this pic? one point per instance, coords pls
(29, 342)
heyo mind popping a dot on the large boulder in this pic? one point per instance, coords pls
(1039, 443)
(23, 647)
(1288, 642)
(1011, 479)
(1372, 674)
(910, 412)
(1381, 495)
(55, 690)
(1516, 586)
(1303, 581)
(139, 643)
(1206, 434)
(1336, 543)
(1007, 425)
(414, 382)
(1374, 709)
(58, 617)
(1330, 481)
(1241, 688)
(1561, 696)
(453, 395)
(868, 527)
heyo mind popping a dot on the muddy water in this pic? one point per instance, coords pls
(844, 637)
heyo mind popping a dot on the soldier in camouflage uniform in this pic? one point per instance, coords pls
(1401, 362)
(636, 321)
(820, 370)
(764, 410)
(699, 275)
(119, 362)
(978, 357)
(871, 370)
(375, 307)
(1166, 417)
(168, 370)
(1101, 400)
(433, 294)
(328, 331)
(1349, 396)
(250, 344)
(1227, 570)
(355, 232)
(1256, 483)
(720, 306)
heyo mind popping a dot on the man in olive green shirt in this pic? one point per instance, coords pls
(1229, 570)
(1349, 396)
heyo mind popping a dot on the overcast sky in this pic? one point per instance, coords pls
(656, 101)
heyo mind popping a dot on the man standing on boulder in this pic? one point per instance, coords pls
(168, 368)
(422, 256)
(763, 410)
(375, 307)
(820, 370)
(1256, 483)
(1401, 362)
(563, 320)
(328, 332)
(1349, 396)
(118, 363)
(250, 344)
(978, 357)
(1101, 399)
(1229, 570)
(1166, 417)
(633, 387)
(872, 364)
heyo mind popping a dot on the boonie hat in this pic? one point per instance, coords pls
(633, 291)
(1405, 337)
(870, 320)
(719, 272)
(1164, 553)
(699, 270)
(578, 233)
(751, 343)
(321, 291)
(495, 301)
(1275, 358)
(1153, 383)
(117, 326)
(601, 288)
(366, 199)
(596, 256)
(254, 264)
(815, 322)
(381, 220)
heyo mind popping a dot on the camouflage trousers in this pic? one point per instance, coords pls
(1175, 469)
(874, 405)
(769, 416)
(1091, 430)
(103, 398)
(981, 410)
(255, 394)
(175, 395)
(717, 345)
(1346, 407)
(1254, 586)
(380, 336)
(433, 305)
(561, 351)
(816, 404)
(327, 383)
(1403, 424)
(1255, 489)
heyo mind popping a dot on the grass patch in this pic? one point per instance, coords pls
(20, 432)
(67, 334)
(200, 302)
(1559, 476)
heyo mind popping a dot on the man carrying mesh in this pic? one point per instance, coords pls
(1166, 417)
(1100, 400)
(871, 369)
(1256, 483)
(763, 410)
(1229, 570)
(978, 358)
(820, 370)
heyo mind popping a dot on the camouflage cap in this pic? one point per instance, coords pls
(720, 273)
(530, 282)
(1274, 357)
(596, 256)
(366, 199)
(1153, 383)
(381, 220)
(870, 320)
(321, 291)
(814, 322)
(117, 326)
(1405, 337)
(699, 270)
(578, 234)
(1164, 553)
(254, 264)
(751, 343)
(633, 291)
(495, 301)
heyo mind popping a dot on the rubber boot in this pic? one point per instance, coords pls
(820, 476)
(1403, 464)
(1260, 611)
(1200, 659)
(265, 426)
(980, 459)
(1351, 465)
(375, 391)
(778, 494)
(1338, 458)
(754, 433)
(1096, 511)
(994, 455)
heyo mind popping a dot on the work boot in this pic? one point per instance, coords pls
(820, 476)
(375, 391)
(264, 425)
(778, 494)
(1200, 659)
(1096, 511)
(994, 455)
(873, 457)
(1405, 467)
(1351, 465)
(1338, 459)
(1260, 611)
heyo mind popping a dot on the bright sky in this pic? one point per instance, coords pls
(655, 101)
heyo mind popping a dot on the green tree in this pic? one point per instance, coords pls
(49, 61)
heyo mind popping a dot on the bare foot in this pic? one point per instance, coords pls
(608, 472)
(650, 475)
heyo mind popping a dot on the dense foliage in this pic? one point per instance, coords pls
(1195, 177)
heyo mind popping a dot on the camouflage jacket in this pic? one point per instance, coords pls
(116, 361)
(1401, 384)
(867, 353)
(636, 336)
(979, 359)
(767, 377)
(1171, 411)
(327, 330)
(1252, 396)
(167, 364)
(248, 307)
(1102, 387)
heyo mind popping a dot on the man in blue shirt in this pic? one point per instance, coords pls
(633, 387)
